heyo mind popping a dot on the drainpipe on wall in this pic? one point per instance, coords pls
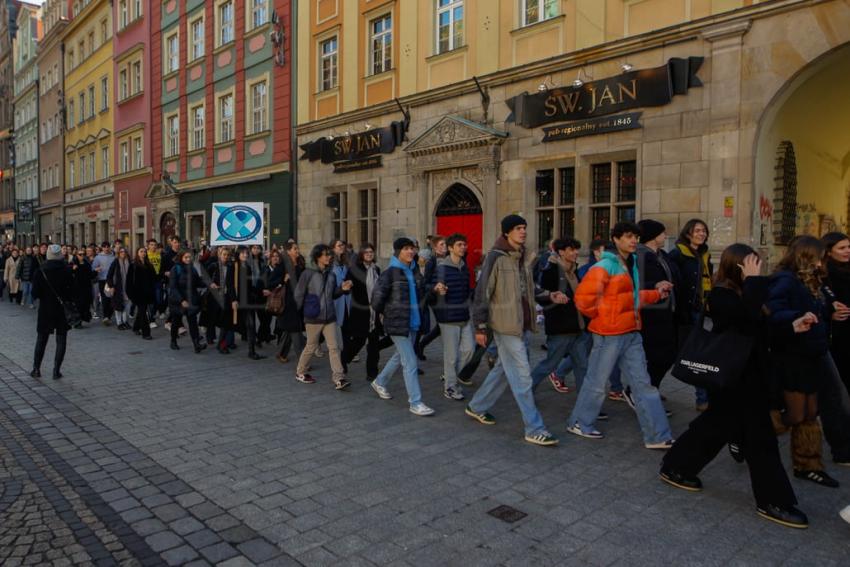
(62, 96)
(38, 158)
(293, 114)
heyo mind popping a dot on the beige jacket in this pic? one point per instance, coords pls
(9, 272)
(498, 296)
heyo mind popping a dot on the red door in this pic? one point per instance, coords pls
(472, 226)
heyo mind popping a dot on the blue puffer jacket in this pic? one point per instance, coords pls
(788, 299)
(454, 306)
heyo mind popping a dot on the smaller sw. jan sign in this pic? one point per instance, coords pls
(236, 223)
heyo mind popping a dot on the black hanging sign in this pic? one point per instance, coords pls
(601, 125)
(356, 146)
(357, 164)
(634, 89)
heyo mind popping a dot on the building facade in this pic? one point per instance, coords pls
(8, 14)
(575, 113)
(88, 89)
(54, 18)
(132, 114)
(221, 126)
(24, 46)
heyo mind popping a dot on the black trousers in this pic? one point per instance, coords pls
(374, 344)
(834, 410)
(105, 302)
(41, 346)
(177, 320)
(736, 417)
(290, 338)
(141, 322)
(264, 334)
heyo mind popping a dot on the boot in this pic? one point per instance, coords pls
(252, 353)
(61, 344)
(222, 347)
(199, 346)
(38, 356)
(174, 345)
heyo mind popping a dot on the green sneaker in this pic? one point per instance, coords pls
(545, 438)
(484, 418)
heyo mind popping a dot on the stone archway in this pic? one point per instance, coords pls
(459, 210)
(167, 226)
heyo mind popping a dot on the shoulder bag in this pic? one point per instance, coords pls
(714, 361)
(72, 314)
(275, 303)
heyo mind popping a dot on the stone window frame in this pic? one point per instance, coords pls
(557, 208)
(105, 159)
(194, 130)
(124, 156)
(171, 141)
(613, 203)
(199, 17)
(541, 11)
(167, 55)
(250, 105)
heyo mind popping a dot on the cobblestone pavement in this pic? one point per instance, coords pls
(146, 456)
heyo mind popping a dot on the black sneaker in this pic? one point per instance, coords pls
(482, 417)
(818, 477)
(673, 478)
(342, 384)
(602, 416)
(464, 381)
(735, 451)
(789, 517)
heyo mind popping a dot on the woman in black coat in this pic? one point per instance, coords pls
(740, 414)
(361, 325)
(184, 299)
(838, 286)
(141, 280)
(82, 276)
(217, 310)
(52, 285)
(291, 323)
(117, 280)
(245, 294)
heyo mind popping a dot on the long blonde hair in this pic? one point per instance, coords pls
(804, 258)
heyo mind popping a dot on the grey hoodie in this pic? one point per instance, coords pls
(322, 285)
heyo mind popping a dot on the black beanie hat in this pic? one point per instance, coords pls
(649, 230)
(401, 243)
(510, 222)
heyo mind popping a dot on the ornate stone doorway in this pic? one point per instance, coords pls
(460, 211)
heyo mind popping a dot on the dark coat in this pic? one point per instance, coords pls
(184, 285)
(50, 283)
(27, 266)
(659, 329)
(391, 298)
(357, 320)
(455, 305)
(82, 277)
(559, 319)
(838, 287)
(788, 299)
(217, 309)
(113, 277)
(141, 279)
(292, 320)
(689, 292)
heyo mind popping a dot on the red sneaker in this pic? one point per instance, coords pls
(305, 378)
(558, 384)
(616, 396)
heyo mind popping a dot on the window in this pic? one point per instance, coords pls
(612, 198)
(82, 107)
(225, 23)
(259, 105)
(172, 132)
(137, 9)
(327, 63)
(83, 170)
(340, 215)
(382, 43)
(104, 93)
(123, 14)
(124, 162)
(104, 32)
(91, 43)
(70, 114)
(556, 196)
(197, 118)
(91, 101)
(196, 36)
(449, 25)
(70, 59)
(172, 52)
(367, 219)
(122, 84)
(259, 13)
(225, 118)
(137, 153)
(137, 77)
(91, 167)
(105, 158)
(534, 11)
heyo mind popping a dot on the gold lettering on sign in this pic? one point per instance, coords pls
(632, 94)
(567, 101)
(369, 142)
(607, 97)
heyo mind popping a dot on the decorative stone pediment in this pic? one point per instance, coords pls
(160, 190)
(453, 133)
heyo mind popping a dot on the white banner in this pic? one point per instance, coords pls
(236, 223)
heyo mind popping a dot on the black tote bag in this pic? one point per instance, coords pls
(713, 361)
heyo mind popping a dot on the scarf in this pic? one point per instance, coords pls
(342, 305)
(704, 273)
(371, 280)
(411, 286)
(155, 258)
(123, 266)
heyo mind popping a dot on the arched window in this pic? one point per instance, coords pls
(785, 194)
(458, 200)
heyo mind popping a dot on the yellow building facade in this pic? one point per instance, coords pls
(575, 113)
(87, 96)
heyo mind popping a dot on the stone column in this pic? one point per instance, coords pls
(490, 187)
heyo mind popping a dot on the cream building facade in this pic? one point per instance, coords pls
(746, 136)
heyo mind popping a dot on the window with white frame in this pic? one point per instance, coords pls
(172, 133)
(339, 220)
(196, 38)
(123, 88)
(137, 9)
(70, 114)
(91, 100)
(83, 170)
(259, 12)
(258, 111)
(104, 93)
(124, 151)
(534, 11)
(137, 152)
(91, 167)
(328, 52)
(382, 44)
(449, 25)
(197, 123)
(123, 14)
(225, 118)
(136, 67)
(224, 23)
(72, 181)
(105, 158)
(172, 52)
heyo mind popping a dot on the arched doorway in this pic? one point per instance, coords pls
(802, 170)
(460, 211)
(167, 226)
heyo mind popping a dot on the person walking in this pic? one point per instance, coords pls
(10, 276)
(504, 306)
(246, 297)
(427, 334)
(26, 270)
(611, 297)
(259, 270)
(315, 294)
(739, 415)
(837, 284)
(398, 298)
(116, 278)
(184, 299)
(52, 286)
(82, 277)
(361, 326)
(291, 323)
(695, 269)
(141, 285)
(101, 265)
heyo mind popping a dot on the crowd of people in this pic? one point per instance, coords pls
(617, 323)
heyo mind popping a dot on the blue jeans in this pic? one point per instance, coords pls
(578, 347)
(458, 346)
(566, 366)
(626, 352)
(513, 365)
(406, 357)
(26, 293)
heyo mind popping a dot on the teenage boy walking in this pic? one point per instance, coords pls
(504, 304)
(610, 295)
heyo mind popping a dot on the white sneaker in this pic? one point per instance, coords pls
(168, 326)
(382, 392)
(182, 331)
(420, 409)
(845, 514)
(453, 393)
(356, 358)
(153, 325)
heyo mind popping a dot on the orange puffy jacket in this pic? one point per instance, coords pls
(607, 296)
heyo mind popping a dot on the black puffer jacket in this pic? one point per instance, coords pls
(27, 267)
(184, 285)
(560, 319)
(141, 279)
(50, 283)
(391, 298)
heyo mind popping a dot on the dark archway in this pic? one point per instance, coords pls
(785, 194)
(167, 226)
(459, 210)
(458, 200)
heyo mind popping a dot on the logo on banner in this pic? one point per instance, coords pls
(237, 223)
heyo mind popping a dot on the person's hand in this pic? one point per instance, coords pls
(266, 293)
(286, 278)
(552, 259)
(751, 266)
(166, 274)
(347, 285)
(559, 298)
(213, 286)
(842, 312)
(235, 305)
(441, 288)
(184, 304)
(804, 323)
(98, 269)
(664, 288)
(481, 338)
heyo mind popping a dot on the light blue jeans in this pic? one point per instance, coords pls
(26, 293)
(458, 346)
(557, 346)
(566, 366)
(405, 357)
(626, 352)
(512, 369)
